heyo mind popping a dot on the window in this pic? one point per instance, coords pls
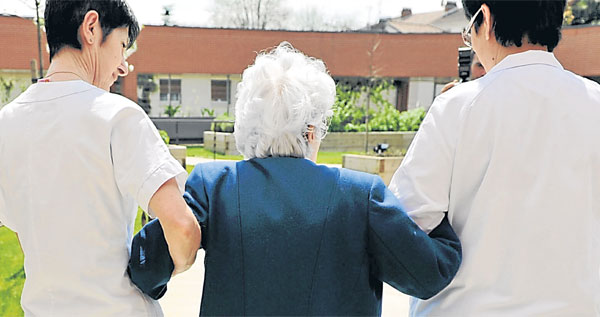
(219, 90)
(174, 89)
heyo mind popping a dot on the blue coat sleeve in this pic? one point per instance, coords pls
(197, 199)
(405, 257)
(150, 265)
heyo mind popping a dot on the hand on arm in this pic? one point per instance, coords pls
(180, 227)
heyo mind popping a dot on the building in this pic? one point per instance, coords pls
(199, 68)
(450, 20)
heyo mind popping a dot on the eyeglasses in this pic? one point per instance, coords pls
(466, 33)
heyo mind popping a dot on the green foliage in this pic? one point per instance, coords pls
(579, 12)
(6, 87)
(12, 275)
(350, 116)
(200, 151)
(165, 136)
(331, 157)
(346, 111)
(411, 120)
(223, 126)
(207, 112)
(171, 111)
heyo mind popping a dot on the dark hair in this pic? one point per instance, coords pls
(539, 20)
(63, 18)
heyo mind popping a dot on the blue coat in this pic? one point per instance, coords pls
(284, 236)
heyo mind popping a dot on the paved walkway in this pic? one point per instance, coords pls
(185, 290)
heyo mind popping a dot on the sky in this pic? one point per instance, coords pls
(198, 12)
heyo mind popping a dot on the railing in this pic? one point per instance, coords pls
(185, 129)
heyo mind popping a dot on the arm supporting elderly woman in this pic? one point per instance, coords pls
(400, 253)
(407, 258)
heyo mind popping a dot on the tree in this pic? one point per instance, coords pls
(579, 12)
(250, 14)
(312, 19)
(166, 14)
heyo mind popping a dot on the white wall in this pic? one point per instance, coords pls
(195, 95)
(421, 91)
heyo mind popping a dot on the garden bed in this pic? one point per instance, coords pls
(224, 143)
(179, 152)
(384, 166)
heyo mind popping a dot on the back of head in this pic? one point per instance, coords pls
(538, 21)
(279, 97)
(63, 18)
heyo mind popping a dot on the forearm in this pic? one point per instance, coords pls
(180, 227)
(183, 239)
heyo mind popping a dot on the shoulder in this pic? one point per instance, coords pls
(587, 84)
(357, 181)
(211, 171)
(119, 104)
(109, 105)
(461, 96)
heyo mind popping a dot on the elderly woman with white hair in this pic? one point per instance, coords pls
(285, 236)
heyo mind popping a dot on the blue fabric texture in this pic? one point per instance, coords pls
(284, 236)
(150, 264)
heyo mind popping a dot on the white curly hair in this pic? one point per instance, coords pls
(278, 98)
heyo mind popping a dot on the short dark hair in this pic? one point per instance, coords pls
(63, 18)
(539, 20)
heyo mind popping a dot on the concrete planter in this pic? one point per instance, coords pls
(355, 141)
(179, 152)
(333, 142)
(220, 142)
(383, 166)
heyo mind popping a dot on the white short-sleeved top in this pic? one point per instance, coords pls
(514, 157)
(75, 162)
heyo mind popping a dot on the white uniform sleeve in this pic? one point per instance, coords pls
(141, 160)
(422, 182)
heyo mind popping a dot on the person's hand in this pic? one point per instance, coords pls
(313, 144)
(449, 86)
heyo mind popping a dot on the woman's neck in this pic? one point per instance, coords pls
(69, 64)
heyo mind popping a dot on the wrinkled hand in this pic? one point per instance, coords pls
(449, 86)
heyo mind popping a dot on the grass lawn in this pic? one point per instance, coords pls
(322, 158)
(332, 157)
(12, 275)
(200, 151)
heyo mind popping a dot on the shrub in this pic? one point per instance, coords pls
(349, 116)
(223, 126)
(206, 112)
(171, 111)
(346, 113)
(411, 120)
(165, 136)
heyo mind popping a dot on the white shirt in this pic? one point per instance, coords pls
(514, 158)
(75, 162)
